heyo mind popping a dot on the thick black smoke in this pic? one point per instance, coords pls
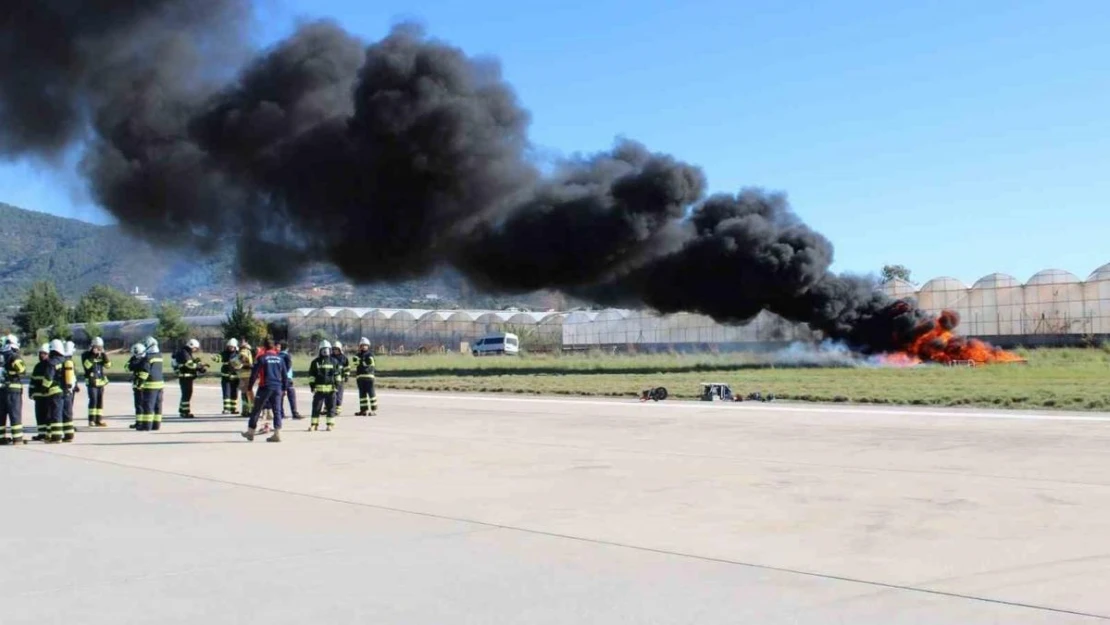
(388, 160)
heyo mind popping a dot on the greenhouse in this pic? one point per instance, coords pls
(1051, 305)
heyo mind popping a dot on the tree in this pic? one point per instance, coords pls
(890, 272)
(103, 303)
(93, 330)
(242, 324)
(43, 308)
(171, 328)
(61, 329)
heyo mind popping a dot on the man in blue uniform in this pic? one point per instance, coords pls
(272, 377)
(291, 391)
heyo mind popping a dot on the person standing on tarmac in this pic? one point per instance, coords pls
(138, 352)
(364, 377)
(11, 393)
(270, 374)
(321, 381)
(342, 372)
(94, 362)
(244, 370)
(153, 383)
(229, 376)
(188, 366)
(46, 390)
(69, 388)
(291, 391)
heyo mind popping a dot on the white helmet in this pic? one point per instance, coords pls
(137, 349)
(193, 344)
(364, 341)
(338, 345)
(69, 348)
(98, 342)
(232, 343)
(56, 346)
(325, 345)
(13, 340)
(45, 349)
(150, 344)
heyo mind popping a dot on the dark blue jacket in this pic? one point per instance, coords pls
(288, 360)
(272, 369)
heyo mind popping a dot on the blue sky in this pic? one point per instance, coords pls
(957, 138)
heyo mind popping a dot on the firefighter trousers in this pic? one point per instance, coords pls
(11, 405)
(185, 406)
(267, 398)
(48, 415)
(338, 397)
(321, 401)
(247, 395)
(151, 416)
(96, 404)
(367, 398)
(230, 388)
(68, 429)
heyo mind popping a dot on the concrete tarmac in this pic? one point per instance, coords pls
(504, 509)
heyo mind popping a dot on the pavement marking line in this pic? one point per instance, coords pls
(856, 409)
(594, 541)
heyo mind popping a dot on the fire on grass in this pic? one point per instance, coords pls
(934, 342)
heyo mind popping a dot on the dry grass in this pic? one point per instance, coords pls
(1075, 379)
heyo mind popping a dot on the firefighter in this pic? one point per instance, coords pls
(342, 372)
(364, 376)
(138, 353)
(153, 383)
(69, 388)
(291, 391)
(321, 381)
(270, 373)
(229, 376)
(11, 393)
(46, 390)
(244, 371)
(94, 362)
(187, 365)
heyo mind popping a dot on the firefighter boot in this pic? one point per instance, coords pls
(249, 434)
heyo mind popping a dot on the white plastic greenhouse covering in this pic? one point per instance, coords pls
(1051, 302)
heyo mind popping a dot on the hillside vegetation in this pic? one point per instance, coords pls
(77, 255)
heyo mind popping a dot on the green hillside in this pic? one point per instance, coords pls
(76, 255)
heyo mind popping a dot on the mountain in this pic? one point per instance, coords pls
(76, 255)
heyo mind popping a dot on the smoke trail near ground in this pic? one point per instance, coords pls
(389, 159)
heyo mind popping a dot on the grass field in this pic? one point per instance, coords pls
(1073, 379)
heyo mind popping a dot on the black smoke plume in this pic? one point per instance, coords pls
(390, 159)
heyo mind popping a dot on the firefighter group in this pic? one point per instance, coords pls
(255, 384)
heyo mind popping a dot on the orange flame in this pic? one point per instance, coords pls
(935, 342)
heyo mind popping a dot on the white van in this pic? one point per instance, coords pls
(503, 343)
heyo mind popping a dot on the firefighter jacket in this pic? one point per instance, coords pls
(245, 364)
(13, 373)
(229, 364)
(150, 372)
(269, 371)
(94, 366)
(322, 374)
(186, 365)
(364, 365)
(342, 367)
(133, 366)
(45, 379)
